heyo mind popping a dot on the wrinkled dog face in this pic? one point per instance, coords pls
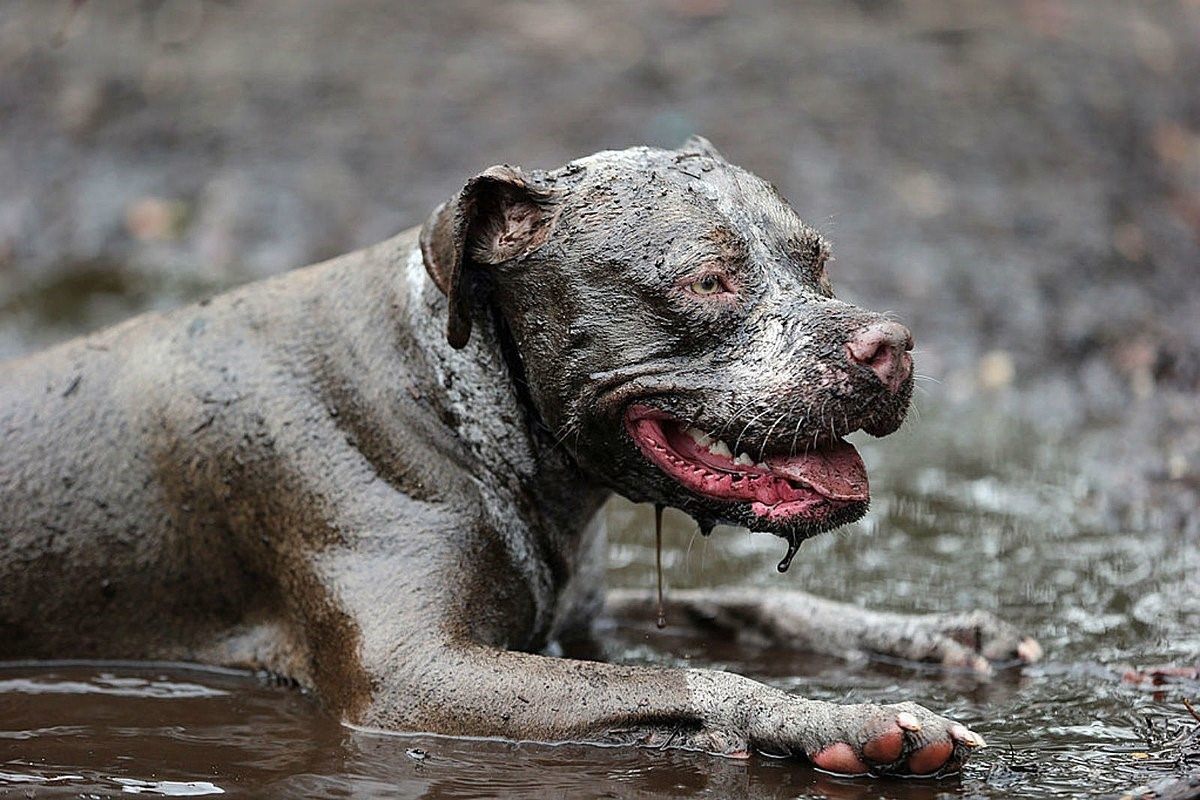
(679, 332)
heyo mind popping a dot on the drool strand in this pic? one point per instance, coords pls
(793, 546)
(662, 616)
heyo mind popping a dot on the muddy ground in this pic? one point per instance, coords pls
(1019, 182)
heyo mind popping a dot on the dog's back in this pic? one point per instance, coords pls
(115, 483)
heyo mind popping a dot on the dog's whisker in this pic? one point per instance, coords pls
(820, 424)
(733, 416)
(746, 427)
(796, 434)
(790, 413)
(564, 431)
(762, 451)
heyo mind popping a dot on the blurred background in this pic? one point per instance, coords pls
(1018, 182)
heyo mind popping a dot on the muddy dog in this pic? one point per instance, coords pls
(378, 475)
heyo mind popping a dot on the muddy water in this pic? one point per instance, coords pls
(971, 511)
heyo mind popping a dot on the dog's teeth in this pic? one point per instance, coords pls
(699, 437)
(763, 466)
(719, 448)
(744, 459)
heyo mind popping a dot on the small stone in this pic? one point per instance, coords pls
(1177, 466)
(996, 370)
(155, 219)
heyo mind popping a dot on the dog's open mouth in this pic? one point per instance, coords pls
(807, 487)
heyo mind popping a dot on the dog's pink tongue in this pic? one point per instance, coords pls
(837, 472)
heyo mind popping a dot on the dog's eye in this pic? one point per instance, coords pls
(709, 284)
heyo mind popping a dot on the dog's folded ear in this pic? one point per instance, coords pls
(698, 145)
(500, 215)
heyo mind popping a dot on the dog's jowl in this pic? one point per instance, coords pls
(378, 475)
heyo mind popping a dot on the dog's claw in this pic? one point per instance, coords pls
(908, 722)
(960, 733)
(1029, 650)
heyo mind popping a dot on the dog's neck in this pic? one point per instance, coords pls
(482, 390)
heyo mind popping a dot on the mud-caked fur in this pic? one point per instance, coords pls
(379, 475)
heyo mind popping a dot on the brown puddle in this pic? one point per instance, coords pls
(116, 729)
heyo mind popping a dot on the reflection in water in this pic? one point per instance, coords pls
(168, 788)
(961, 520)
(107, 683)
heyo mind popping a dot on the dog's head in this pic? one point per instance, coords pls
(678, 332)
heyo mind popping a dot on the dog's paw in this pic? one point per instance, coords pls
(738, 716)
(976, 640)
(901, 739)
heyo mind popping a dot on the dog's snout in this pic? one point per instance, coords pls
(883, 347)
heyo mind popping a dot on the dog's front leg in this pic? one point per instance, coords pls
(974, 640)
(474, 690)
(435, 647)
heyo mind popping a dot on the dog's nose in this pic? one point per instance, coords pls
(883, 346)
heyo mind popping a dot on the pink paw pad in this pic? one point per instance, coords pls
(839, 758)
(930, 758)
(886, 747)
